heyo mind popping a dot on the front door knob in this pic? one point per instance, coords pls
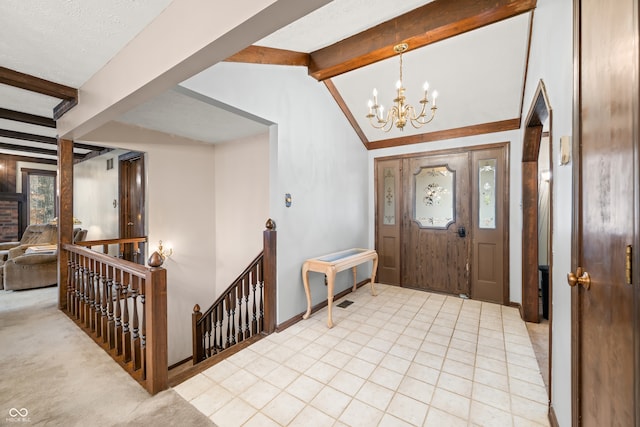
(580, 277)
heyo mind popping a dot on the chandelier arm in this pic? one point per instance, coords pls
(423, 122)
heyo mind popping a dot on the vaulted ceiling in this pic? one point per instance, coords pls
(474, 52)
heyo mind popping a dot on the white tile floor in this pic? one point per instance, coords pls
(403, 358)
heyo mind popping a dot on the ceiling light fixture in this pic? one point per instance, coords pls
(401, 112)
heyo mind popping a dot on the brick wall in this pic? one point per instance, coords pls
(8, 221)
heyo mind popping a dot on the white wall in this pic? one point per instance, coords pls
(241, 190)
(315, 155)
(551, 59)
(94, 190)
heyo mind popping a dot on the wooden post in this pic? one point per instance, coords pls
(198, 349)
(270, 277)
(157, 370)
(65, 215)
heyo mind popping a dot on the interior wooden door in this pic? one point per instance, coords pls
(436, 227)
(132, 202)
(388, 220)
(489, 184)
(605, 347)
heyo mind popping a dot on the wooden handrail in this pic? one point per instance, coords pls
(121, 242)
(245, 310)
(105, 296)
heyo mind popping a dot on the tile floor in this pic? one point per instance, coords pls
(403, 358)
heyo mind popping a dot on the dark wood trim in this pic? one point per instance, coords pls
(576, 225)
(425, 25)
(343, 106)
(526, 66)
(515, 305)
(155, 316)
(180, 363)
(454, 150)
(473, 130)
(65, 215)
(26, 175)
(36, 84)
(268, 55)
(269, 237)
(23, 136)
(32, 119)
(507, 218)
(298, 317)
(211, 361)
(64, 106)
(553, 419)
(35, 150)
(15, 158)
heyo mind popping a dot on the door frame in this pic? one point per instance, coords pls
(456, 150)
(539, 112)
(133, 155)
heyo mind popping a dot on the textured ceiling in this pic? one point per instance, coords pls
(336, 21)
(479, 75)
(188, 114)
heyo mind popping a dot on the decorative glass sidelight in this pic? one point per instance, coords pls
(434, 204)
(389, 197)
(487, 193)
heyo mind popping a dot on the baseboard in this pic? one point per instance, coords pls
(182, 362)
(298, 317)
(518, 306)
(553, 420)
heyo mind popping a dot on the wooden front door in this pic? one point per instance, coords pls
(604, 323)
(436, 229)
(132, 204)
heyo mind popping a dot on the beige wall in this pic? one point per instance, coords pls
(241, 191)
(180, 211)
(209, 203)
(94, 190)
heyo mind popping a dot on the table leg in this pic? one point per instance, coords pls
(355, 274)
(374, 269)
(331, 279)
(305, 281)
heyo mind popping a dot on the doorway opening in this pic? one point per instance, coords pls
(537, 226)
(132, 204)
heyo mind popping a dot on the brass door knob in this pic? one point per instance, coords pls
(580, 277)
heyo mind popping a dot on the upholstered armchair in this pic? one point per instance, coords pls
(41, 234)
(23, 270)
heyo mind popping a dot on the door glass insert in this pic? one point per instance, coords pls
(487, 193)
(434, 204)
(389, 197)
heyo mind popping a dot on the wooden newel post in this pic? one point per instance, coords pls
(157, 371)
(198, 348)
(270, 276)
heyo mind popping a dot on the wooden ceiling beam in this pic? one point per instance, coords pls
(269, 55)
(32, 119)
(34, 150)
(425, 25)
(36, 84)
(43, 139)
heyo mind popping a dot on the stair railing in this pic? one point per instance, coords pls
(246, 309)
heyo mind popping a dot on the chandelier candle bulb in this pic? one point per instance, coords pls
(400, 113)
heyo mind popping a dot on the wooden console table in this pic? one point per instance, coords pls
(331, 264)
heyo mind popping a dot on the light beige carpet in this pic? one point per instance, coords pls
(53, 373)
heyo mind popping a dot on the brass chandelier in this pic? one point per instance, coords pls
(401, 112)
